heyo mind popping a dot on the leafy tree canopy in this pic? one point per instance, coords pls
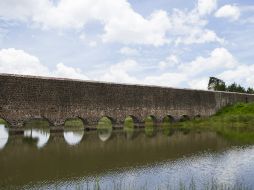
(219, 85)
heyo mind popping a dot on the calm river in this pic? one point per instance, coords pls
(120, 160)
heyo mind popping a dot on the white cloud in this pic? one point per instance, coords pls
(206, 6)
(242, 74)
(170, 61)
(20, 62)
(231, 12)
(219, 59)
(166, 79)
(220, 62)
(15, 61)
(199, 83)
(120, 72)
(198, 36)
(120, 22)
(68, 72)
(189, 28)
(128, 51)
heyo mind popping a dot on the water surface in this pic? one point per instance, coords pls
(128, 159)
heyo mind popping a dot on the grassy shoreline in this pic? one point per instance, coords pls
(235, 122)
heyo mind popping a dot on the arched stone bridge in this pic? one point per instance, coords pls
(23, 98)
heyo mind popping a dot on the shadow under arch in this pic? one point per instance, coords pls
(184, 118)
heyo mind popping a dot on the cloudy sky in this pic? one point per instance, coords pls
(177, 43)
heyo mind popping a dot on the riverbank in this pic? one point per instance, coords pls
(235, 122)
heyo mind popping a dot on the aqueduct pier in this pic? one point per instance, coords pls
(23, 98)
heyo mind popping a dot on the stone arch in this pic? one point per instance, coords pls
(153, 118)
(113, 121)
(109, 118)
(198, 116)
(150, 125)
(37, 119)
(84, 121)
(130, 122)
(5, 121)
(184, 118)
(172, 119)
(135, 119)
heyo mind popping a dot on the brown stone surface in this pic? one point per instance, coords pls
(25, 97)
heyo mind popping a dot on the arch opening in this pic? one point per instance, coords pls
(129, 126)
(105, 128)
(150, 122)
(167, 123)
(74, 130)
(37, 131)
(4, 122)
(197, 117)
(129, 122)
(4, 134)
(37, 123)
(184, 118)
(75, 122)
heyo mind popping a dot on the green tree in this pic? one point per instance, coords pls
(216, 84)
(236, 88)
(250, 90)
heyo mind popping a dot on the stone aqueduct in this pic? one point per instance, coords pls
(23, 98)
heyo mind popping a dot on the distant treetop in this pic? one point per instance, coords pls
(219, 85)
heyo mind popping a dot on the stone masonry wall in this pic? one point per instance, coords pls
(24, 97)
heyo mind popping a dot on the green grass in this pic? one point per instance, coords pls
(104, 123)
(237, 109)
(37, 123)
(149, 126)
(235, 122)
(166, 125)
(74, 124)
(3, 122)
(128, 123)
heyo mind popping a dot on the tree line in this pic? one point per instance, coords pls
(219, 85)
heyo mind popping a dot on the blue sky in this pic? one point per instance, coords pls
(164, 42)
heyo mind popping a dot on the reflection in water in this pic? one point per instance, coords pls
(141, 161)
(150, 126)
(129, 132)
(73, 137)
(3, 136)
(41, 136)
(129, 127)
(104, 129)
(104, 133)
